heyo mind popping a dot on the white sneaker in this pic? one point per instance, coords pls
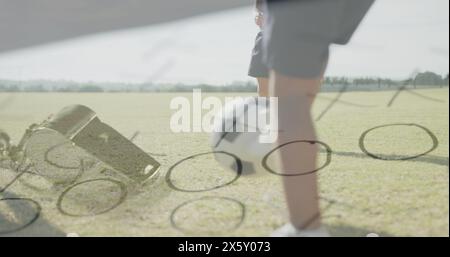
(289, 230)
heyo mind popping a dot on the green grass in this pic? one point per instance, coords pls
(391, 198)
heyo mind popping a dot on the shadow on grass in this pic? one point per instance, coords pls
(349, 231)
(431, 159)
(24, 218)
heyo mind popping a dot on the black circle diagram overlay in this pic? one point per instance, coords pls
(49, 161)
(228, 199)
(63, 174)
(327, 162)
(121, 199)
(37, 213)
(363, 148)
(238, 172)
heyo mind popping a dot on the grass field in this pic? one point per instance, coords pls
(360, 195)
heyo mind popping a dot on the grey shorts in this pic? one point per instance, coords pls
(258, 68)
(298, 33)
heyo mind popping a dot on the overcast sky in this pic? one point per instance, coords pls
(396, 38)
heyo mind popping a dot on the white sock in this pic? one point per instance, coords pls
(289, 230)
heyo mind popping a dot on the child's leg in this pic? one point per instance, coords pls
(295, 123)
(296, 40)
(263, 87)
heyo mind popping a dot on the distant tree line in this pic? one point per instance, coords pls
(43, 89)
(233, 87)
(80, 88)
(421, 79)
